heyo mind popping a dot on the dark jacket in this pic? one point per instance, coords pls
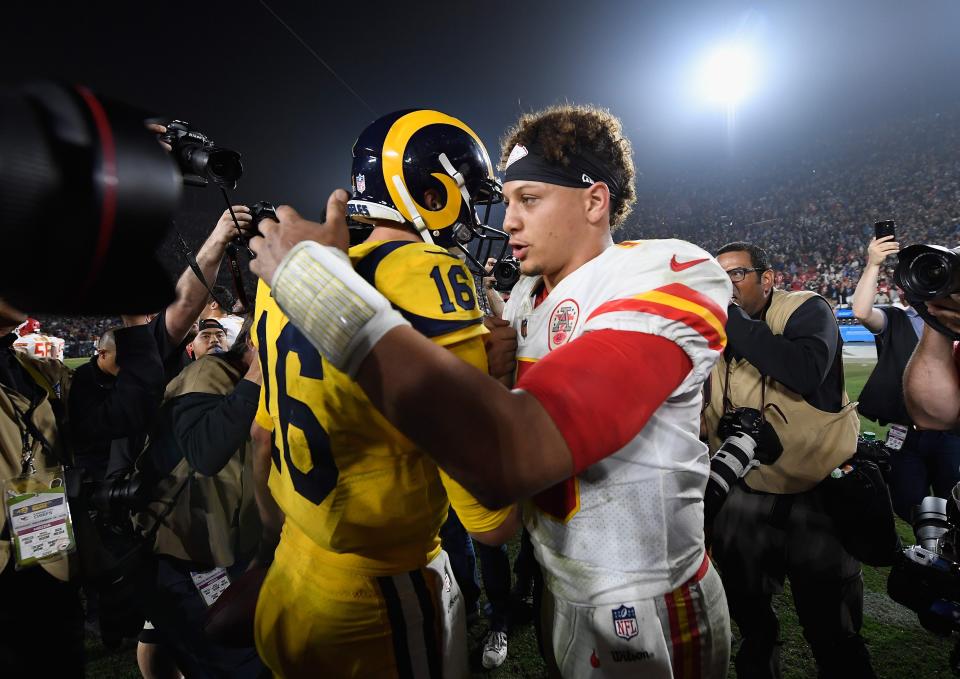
(103, 407)
(882, 395)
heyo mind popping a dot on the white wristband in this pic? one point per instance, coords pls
(341, 314)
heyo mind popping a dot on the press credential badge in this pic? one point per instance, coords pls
(39, 517)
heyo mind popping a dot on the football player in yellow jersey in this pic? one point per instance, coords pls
(360, 586)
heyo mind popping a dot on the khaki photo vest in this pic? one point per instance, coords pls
(211, 519)
(54, 378)
(814, 442)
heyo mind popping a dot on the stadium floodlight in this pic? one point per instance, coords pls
(728, 74)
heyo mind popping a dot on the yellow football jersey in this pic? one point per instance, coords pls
(347, 479)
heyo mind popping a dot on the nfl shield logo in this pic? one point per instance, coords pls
(361, 183)
(625, 622)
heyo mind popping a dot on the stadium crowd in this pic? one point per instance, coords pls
(814, 213)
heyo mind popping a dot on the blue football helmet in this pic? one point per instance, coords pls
(401, 156)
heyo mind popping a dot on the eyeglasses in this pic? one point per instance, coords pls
(738, 274)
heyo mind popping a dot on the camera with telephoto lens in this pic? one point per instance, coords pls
(200, 159)
(748, 441)
(926, 576)
(506, 273)
(81, 173)
(115, 558)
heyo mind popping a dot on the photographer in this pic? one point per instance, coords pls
(41, 612)
(921, 458)
(201, 457)
(931, 382)
(783, 358)
(115, 394)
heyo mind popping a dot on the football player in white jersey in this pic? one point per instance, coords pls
(602, 428)
(33, 342)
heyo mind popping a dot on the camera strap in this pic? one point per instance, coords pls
(192, 263)
(235, 273)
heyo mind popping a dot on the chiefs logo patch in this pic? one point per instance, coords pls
(562, 322)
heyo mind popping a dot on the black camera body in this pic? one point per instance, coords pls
(927, 272)
(506, 273)
(200, 159)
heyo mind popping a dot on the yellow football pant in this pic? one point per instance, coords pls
(316, 620)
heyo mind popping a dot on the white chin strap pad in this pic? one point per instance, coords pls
(341, 314)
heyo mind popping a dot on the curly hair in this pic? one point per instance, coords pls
(565, 128)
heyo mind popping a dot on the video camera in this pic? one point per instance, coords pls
(926, 576)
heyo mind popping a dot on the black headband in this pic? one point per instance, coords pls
(584, 169)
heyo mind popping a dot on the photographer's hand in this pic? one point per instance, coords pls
(947, 311)
(278, 238)
(160, 129)
(226, 230)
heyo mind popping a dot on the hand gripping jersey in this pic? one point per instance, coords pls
(629, 526)
(359, 489)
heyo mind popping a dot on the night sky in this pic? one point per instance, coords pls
(234, 71)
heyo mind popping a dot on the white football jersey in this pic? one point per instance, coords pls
(35, 344)
(57, 345)
(630, 526)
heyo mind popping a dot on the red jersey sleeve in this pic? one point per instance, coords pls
(601, 389)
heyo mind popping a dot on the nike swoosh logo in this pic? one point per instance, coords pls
(680, 266)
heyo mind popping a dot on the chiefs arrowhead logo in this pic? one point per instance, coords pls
(680, 266)
(594, 660)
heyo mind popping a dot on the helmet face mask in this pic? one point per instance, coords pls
(402, 157)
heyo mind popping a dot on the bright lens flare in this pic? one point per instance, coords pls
(728, 74)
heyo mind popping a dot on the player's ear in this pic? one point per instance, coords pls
(597, 203)
(431, 199)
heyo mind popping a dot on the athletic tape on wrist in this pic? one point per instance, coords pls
(341, 314)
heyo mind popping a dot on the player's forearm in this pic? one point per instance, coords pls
(930, 383)
(500, 445)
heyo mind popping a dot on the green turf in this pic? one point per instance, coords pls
(75, 362)
(899, 647)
